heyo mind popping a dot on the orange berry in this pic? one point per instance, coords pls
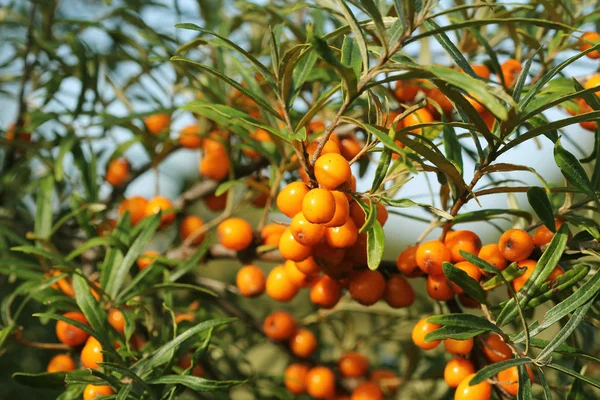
(430, 256)
(509, 379)
(65, 285)
(106, 227)
(464, 240)
(489, 119)
(353, 365)
(543, 235)
(592, 82)
(515, 245)
(279, 286)
(117, 172)
(457, 370)
(186, 362)
(458, 347)
(316, 126)
(214, 165)
(298, 277)
(147, 258)
(399, 292)
(407, 262)
(308, 266)
(116, 319)
(250, 281)
(519, 282)
(479, 108)
(386, 379)
(588, 40)
(440, 98)
(367, 391)
(357, 253)
(157, 123)
(332, 170)
(468, 302)
(491, 254)
(305, 232)
(350, 147)
(367, 287)
(189, 137)
(164, 205)
(342, 236)
(92, 391)
(556, 272)
(289, 200)
(481, 70)
(320, 383)
(136, 207)
(235, 234)
(421, 116)
(61, 363)
(303, 343)
(216, 203)
(342, 210)
(91, 354)
(327, 256)
(329, 148)
(471, 270)
(340, 271)
(481, 391)
(271, 234)
(511, 69)
(422, 328)
(358, 215)
(406, 91)
(70, 334)
(318, 206)
(189, 225)
(290, 249)
(438, 288)
(294, 378)
(279, 325)
(495, 349)
(326, 292)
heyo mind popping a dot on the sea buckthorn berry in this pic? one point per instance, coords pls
(214, 166)
(399, 292)
(519, 281)
(342, 210)
(367, 391)
(491, 254)
(290, 249)
(481, 391)
(358, 214)
(65, 285)
(457, 370)
(430, 256)
(467, 301)
(515, 245)
(509, 379)
(421, 116)
(489, 119)
(407, 262)
(471, 270)
(294, 378)
(189, 226)
(332, 170)
(70, 334)
(235, 234)
(305, 232)
(357, 253)
(511, 69)
(147, 258)
(422, 328)
(342, 236)
(353, 365)
(309, 266)
(439, 288)
(588, 40)
(317, 126)
(592, 82)
(386, 379)
(271, 234)
(556, 272)
(189, 137)
(61, 363)
(92, 391)
(289, 200)
(458, 347)
(279, 285)
(279, 325)
(298, 277)
(91, 354)
(250, 281)
(136, 207)
(116, 319)
(543, 235)
(440, 98)
(303, 343)
(320, 383)
(327, 256)
(406, 90)
(367, 287)
(481, 70)
(157, 123)
(318, 206)
(106, 227)
(462, 240)
(117, 172)
(340, 271)
(495, 349)
(164, 205)
(329, 148)
(350, 147)
(185, 362)
(326, 292)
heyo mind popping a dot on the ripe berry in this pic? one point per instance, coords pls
(330, 147)
(70, 334)
(342, 236)
(332, 170)
(279, 325)
(520, 281)
(326, 292)
(367, 391)
(289, 200)
(406, 91)
(164, 205)
(189, 137)
(464, 240)
(250, 281)
(430, 256)
(189, 225)
(320, 382)
(290, 249)
(294, 378)
(481, 70)
(509, 379)
(386, 379)
(147, 258)
(495, 349)
(353, 365)
(481, 391)
(471, 270)
(235, 234)
(214, 165)
(157, 123)
(588, 40)
(303, 343)
(358, 214)
(279, 286)
(116, 319)
(342, 210)
(491, 254)
(117, 172)
(91, 354)
(422, 328)
(440, 98)
(298, 277)
(305, 232)
(271, 234)
(367, 287)
(439, 288)
(457, 370)
(216, 203)
(61, 363)
(511, 70)
(407, 262)
(350, 147)
(318, 206)
(515, 245)
(543, 235)
(398, 292)
(458, 347)
(308, 266)
(421, 116)
(92, 391)
(136, 207)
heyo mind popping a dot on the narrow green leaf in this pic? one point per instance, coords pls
(88, 305)
(493, 369)
(54, 380)
(43, 215)
(452, 146)
(471, 287)
(357, 31)
(485, 215)
(576, 375)
(572, 170)
(450, 48)
(539, 201)
(464, 321)
(375, 245)
(194, 383)
(524, 391)
(64, 149)
(453, 332)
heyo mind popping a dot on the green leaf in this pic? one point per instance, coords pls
(452, 147)
(194, 383)
(404, 203)
(470, 286)
(539, 201)
(572, 170)
(493, 369)
(93, 242)
(576, 375)
(54, 380)
(64, 149)
(524, 391)
(92, 310)
(450, 48)
(382, 166)
(464, 321)
(375, 245)
(371, 9)
(357, 31)
(453, 332)
(351, 55)
(569, 279)
(43, 215)
(508, 274)
(485, 215)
